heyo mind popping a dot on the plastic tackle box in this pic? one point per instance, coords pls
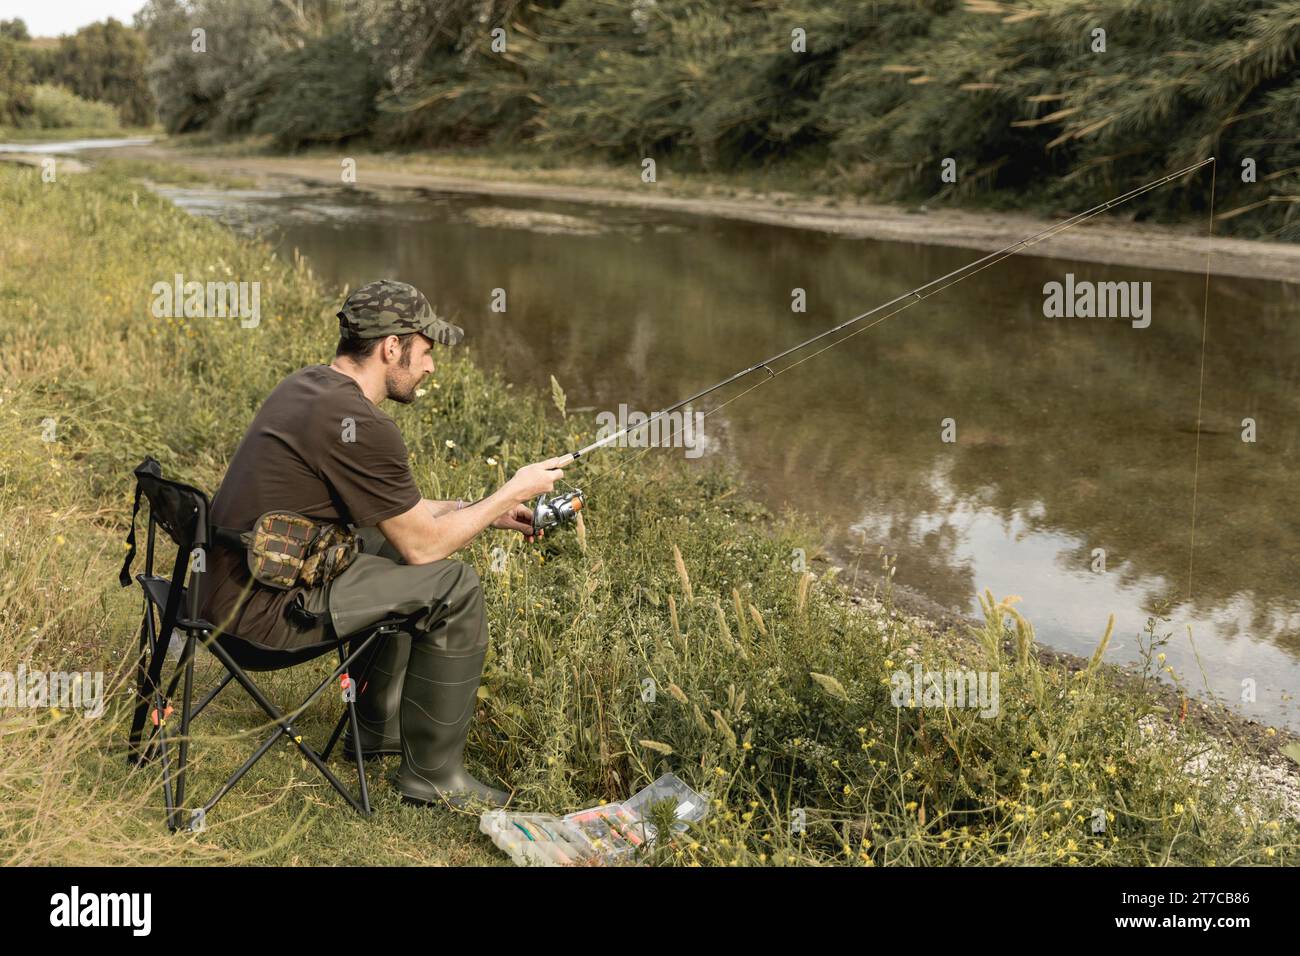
(690, 806)
(613, 830)
(537, 839)
(609, 834)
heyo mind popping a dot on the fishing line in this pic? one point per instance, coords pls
(908, 299)
(1200, 395)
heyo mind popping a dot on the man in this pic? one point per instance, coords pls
(320, 446)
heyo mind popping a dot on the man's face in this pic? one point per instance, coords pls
(403, 376)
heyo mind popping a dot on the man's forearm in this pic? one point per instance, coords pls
(440, 508)
(456, 527)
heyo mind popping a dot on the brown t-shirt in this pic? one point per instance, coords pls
(319, 447)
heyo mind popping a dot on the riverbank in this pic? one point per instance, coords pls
(772, 688)
(1245, 749)
(753, 198)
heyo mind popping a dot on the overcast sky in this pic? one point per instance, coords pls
(51, 18)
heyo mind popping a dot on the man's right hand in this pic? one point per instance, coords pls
(420, 538)
(537, 479)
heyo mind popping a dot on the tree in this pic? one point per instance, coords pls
(221, 87)
(14, 29)
(106, 62)
(15, 83)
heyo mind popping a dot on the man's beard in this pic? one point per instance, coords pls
(401, 389)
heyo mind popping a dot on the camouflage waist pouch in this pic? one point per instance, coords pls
(286, 549)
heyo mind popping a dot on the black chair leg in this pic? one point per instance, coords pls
(186, 699)
(244, 768)
(285, 726)
(356, 737)
(162, 702)
(169, 797)
(174, 748)
(174, 778)
(136, 753)
(212, 694)
(334, 737)
(146, 744)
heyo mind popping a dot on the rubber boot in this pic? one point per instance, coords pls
(379, 674)
(437, 709)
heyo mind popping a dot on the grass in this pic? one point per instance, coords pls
(772, 690)
(171, 174)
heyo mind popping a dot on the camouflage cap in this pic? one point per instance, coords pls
(388, 307)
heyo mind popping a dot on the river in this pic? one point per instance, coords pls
(74, 145)
(1070, 468)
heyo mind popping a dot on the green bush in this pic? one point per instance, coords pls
(324, 92)
(54, 107)
(15, 77)
(103, 62)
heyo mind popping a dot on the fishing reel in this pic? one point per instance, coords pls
(558, 510)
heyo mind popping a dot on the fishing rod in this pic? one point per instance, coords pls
(564, 508)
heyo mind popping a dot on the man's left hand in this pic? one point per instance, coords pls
(519, 518)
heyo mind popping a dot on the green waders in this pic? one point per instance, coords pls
(417, 690)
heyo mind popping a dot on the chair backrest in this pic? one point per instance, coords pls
(182, 512)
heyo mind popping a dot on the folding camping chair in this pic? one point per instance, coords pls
(182, 512)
